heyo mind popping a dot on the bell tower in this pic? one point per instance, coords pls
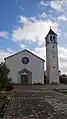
(52, 58)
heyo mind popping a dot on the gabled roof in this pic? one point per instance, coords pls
(23, 51)
(51, 32)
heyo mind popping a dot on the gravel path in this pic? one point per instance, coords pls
(37, 105)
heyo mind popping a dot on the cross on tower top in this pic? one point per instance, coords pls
(50, 27)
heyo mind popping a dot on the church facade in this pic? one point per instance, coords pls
(25, 68)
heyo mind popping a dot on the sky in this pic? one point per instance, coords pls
(25, 23)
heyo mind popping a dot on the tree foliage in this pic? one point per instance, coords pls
(4, 74)
(63, 79)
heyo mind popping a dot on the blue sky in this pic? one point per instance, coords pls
(25, 23)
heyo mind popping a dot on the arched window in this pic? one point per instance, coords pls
(53, 37)
(50, 38)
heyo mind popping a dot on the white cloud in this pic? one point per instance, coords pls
(58, 5)
(42, 3)
(4, 34)
(26, 20)
(40, 52)
(47, 16)
(43, 15)
(22, 45)
(23, 19)
(62, 18)
(3, 54)
(10, 50)
(34, 31)
(32, 19)
(63, 59)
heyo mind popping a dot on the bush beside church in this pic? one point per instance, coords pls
(62, 79)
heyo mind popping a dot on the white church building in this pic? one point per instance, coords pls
(27, 68)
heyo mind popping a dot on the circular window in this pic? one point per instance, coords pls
(25, 60)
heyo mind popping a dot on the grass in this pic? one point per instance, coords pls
(64, 91)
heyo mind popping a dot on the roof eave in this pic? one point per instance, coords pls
(23, 51)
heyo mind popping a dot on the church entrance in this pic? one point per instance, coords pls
(24, 79)
(25, 76)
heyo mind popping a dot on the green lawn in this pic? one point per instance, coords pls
(64, 91)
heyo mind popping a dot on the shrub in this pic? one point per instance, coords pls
(9, 87)
(4, 70)
(63, 80)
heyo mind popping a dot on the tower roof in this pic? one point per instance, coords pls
(50, 32)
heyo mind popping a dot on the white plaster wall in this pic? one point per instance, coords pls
(35, 65)
(52, 73)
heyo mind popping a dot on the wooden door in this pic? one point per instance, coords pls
(24, 79)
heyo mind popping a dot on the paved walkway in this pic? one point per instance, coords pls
(28, 104)
(40, 87)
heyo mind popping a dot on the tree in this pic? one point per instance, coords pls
(4, 74)
(64, 75)
(63, 79)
